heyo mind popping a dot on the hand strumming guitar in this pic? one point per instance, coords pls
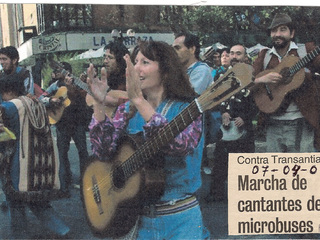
(56, 102)
(272, 77)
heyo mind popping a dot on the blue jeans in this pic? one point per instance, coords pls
(186, 224)
(64, 135)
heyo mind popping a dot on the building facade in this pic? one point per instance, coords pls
(41, 29)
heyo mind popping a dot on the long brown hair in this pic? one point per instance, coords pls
(175, 80)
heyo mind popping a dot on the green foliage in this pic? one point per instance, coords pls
(231, 21)
(78, 66)
(225, 24)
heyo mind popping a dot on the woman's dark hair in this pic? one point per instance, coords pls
(175, 80)
(223, 49)
(12, 83)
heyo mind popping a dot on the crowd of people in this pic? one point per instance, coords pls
(139, 93)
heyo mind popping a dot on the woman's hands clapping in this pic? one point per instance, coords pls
(133, 83)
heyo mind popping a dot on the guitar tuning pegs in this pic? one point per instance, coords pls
(245, 92)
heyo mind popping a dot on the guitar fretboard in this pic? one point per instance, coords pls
(304, 61)
(233, 81)
(78, 82)
(82, 85)
(162, 138)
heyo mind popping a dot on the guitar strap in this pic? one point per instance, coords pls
(267, 58)
(302, 50)
(166, 107)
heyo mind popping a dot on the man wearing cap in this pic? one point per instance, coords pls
(294, 127)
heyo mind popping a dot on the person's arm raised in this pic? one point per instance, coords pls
(99, 88)
(133, 85)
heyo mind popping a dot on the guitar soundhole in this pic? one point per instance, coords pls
(118, 178)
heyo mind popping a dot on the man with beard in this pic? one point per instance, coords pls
(9, 58)
(241, 108)
(293, 126)
(116, 65)
(237, 131)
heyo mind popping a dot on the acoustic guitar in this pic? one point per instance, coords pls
(269, 97)
(111, 190)
(55, 111)
(55, 116)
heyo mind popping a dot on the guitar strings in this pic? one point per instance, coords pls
(186, 112)
(305, 60)
(144, 150)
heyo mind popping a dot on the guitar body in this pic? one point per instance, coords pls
(118, 96)
(264, 101)
(55, 113)
(113, 205)
(117, 209)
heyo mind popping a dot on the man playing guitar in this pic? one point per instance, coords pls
(294, 125)
(72, 123)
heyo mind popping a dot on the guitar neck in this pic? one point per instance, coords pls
(304, 61)
(162, 138)
(82, 85)
(78, 82)
(232, 82)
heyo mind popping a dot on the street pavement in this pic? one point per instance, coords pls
(71, 210)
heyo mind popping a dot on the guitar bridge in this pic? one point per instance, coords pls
(96, 194)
